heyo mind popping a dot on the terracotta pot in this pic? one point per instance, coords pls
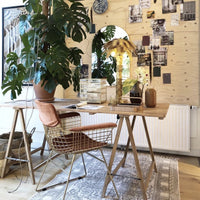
(41, 94)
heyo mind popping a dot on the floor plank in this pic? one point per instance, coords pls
(189, 179)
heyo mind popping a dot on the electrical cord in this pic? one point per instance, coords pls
(20, 162)
(118, 117)
(21, 177)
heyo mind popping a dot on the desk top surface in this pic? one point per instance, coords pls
(159, 111)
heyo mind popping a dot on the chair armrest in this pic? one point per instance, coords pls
(93, 127)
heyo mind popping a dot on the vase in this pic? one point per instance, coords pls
(41, 94)
(136, 94)
(150, 97)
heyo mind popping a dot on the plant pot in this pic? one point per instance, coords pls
(150, 98)
(41, 94)
(136, 94)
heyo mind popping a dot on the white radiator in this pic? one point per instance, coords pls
(171, 133)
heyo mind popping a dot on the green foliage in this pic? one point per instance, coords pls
(109, 32)
(14, 76)
(97, 43)
(103, 67)
(45, 55)
(33, 5)
(127, 85)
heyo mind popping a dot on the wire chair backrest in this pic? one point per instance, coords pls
(57, 125)
(70, 120)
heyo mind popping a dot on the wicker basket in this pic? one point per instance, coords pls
(17, 148)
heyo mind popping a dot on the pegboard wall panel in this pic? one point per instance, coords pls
(178, 81)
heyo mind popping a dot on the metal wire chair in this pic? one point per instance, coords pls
(65, 135)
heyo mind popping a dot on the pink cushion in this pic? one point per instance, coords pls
(47, 114)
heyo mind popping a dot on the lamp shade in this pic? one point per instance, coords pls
(120, 46)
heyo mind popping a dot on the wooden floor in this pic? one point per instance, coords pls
(189, 176)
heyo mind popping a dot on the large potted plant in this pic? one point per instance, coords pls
(46, 58)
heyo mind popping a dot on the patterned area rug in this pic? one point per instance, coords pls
(163, 185)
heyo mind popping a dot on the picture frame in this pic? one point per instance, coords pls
(160, 57)
(11, 40)
(144, 59)
(167, 38)
(158, 27)
(188, 11)
(135, 14)
(168, 7)
(84, 71)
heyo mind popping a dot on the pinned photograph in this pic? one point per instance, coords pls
(158, 26)
(139, 47)
(157, 71)
(84, 71)
(175, 19)
(145, 40)
(177, 2)
(151, 14)
(135, 14)
(160, 57)
(145, 3)
(167, 38)
(188, 12)
(154, 43)
(168, 6)
(144, 59)
(166, 78)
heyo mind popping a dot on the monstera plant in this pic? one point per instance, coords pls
(103, 67)
(45, 56)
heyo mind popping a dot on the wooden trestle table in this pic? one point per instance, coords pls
(160, 111)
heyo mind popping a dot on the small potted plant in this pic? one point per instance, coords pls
(45, 57)
(132, 86)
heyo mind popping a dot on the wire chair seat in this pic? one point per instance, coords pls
(70, 137)
(80, 140)
(82, 143)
